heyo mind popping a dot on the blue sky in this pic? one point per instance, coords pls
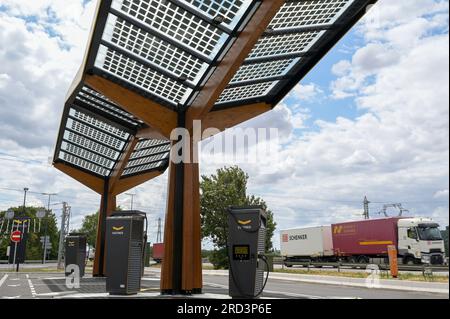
(388, 139)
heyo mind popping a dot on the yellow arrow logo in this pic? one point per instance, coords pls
(244, 222)
(118, 228)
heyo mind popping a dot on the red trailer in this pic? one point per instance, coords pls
(362, 239)
(158, 252)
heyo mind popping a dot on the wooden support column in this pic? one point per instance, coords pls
(167, 263)
(182, 268)
(107, 206)
(192, 263)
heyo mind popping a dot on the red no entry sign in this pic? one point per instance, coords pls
(16, 236)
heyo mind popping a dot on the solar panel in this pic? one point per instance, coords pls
(167, 50)
(77, 161)
(263, 70)
(142, 169)
(230, 10)
(175, 22)
(298, 28)
(285, 44)
(141, 76)
(156, 51)
(245, 92)
(294, 14)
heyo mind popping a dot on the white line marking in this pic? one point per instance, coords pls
(18, 285)
(15, 297)
(2, 281)
(30, 283)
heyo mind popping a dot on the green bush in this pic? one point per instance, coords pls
(219, 258)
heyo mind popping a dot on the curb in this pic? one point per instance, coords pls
(348, 284)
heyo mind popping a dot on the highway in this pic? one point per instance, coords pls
(53, 285)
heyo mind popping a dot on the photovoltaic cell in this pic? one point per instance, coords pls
(231, 10)
(285, 44)
(143, 168)
(83, 164)
(90, 144)
(246, 92)
(94, 134)
(153, 49)
(141, 76)
(263, 70)
(148, 159)
(82, 153)
(309, 13)
(98, 124)
(175, 22)
(98, 101)
(145, 143)
(149, 151)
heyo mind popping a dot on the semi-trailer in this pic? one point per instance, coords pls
(417, 240)
(158, 252)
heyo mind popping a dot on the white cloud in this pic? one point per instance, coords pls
(441, 194)
(306, 92)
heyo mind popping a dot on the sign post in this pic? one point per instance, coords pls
(393, 261)
(16, 237)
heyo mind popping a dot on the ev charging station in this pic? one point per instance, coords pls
(75, 252)
(246, 249)
(126, 237)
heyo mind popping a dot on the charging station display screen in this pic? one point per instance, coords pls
(241, 252)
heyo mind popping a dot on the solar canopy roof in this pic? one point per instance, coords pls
(167, 50)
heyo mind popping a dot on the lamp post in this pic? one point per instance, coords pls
(44, 255)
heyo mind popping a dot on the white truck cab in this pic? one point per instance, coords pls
(420, 241)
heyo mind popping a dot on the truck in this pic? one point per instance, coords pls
(417, 241)
(158, 252)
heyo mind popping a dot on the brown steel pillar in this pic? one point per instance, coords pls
(181, 268)
(107, 206)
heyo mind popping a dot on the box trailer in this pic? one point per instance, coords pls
(158, 252)
(369, 237)
(311, 243)
(417, 240)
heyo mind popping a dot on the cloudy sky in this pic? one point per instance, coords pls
(372, 119)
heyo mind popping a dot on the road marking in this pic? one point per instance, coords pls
(33, 291)
(3, 280)
(18, 285)
(15, 297)
(53, 294)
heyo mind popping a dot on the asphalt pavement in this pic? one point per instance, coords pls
(53, 285)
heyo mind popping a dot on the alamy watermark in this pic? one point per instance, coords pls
(373, 280)
(235, 145)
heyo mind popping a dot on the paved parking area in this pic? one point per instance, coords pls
(53, 285)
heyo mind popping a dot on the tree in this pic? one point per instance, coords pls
(228, 187)
(89, 227)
